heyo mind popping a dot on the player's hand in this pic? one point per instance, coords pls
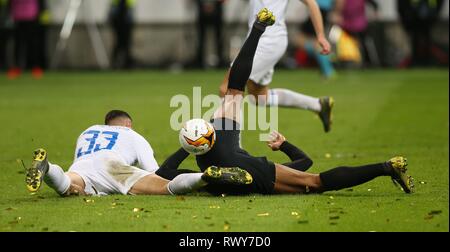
(275, 140)
(75, 190)
(324, 45)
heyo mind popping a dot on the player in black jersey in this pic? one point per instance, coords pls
(269, 177)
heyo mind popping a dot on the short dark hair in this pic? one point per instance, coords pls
(113, 114)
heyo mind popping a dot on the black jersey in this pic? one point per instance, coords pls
(226, 152)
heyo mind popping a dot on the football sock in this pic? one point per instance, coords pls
(170, 174)
(185, 183)
(57, 179)
(242, 66)
(344, 177)
(287, 98)
(323, 60)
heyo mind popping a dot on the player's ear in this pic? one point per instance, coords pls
(129, 124)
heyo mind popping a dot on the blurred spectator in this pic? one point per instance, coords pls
(418, 18)
(44, 21)
(306, 39)
(25, 14)
(210, 13)
(122, 21)
(5, 32)
(351, 16)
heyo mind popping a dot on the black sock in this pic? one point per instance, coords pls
(242, 66)
(171, 174)
(344, 177)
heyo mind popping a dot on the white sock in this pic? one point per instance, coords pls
(287, 98)
(185, 183)
(57, 179)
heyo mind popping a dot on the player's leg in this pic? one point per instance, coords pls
(53, 175)
(291, 181)
(287, 98)
(150, 185)
(153, 184)
(77, 185)
(262, 95)
(288, 180)
(269, 52)
(224, 85)
(42, 170)
(241, 69)
(343, 177)
(309, 44)
(282, 97)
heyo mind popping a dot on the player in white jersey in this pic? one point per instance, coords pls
(271, 48)
(114, 159)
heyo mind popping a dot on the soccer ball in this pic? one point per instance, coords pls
(197, 136)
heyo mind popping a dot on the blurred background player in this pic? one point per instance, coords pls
(209, 15)
(122, 22)
(114, 159)
(42, 30)
(418, 18)
(351, 16)
(272, 47)
(307, 41)
(27, 37)
(5, 33)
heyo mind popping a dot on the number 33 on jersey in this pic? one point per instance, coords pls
(123, 142)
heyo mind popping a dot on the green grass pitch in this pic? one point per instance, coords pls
(378, 114)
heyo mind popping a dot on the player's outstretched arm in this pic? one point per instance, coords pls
(169, 169)
(317, 20)
(299, 160)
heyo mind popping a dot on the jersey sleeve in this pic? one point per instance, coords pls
(145, 155)
(299, 160)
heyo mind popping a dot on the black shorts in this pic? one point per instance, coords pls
(308, 28)
(227, 153)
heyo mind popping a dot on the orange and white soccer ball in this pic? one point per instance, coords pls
(197, 136)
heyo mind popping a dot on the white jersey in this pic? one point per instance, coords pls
(121, 142)
(273, 42)
(278, 7)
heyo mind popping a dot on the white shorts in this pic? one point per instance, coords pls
(107, 174)
(269, 52)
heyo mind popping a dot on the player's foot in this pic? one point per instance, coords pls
(325, 115)
(37, 72)
(330, 76)
(265, 17)
(231, 175)
(14, 73)
(39, 167)
(399, 176)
